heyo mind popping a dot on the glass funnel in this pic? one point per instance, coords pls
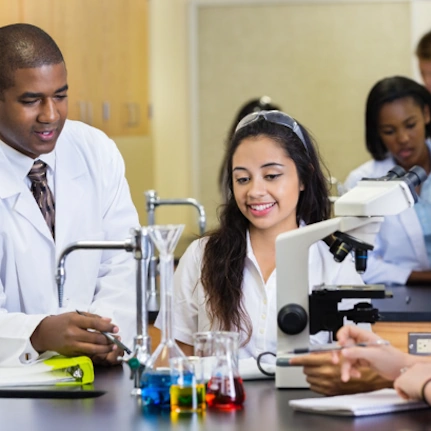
(156, 380)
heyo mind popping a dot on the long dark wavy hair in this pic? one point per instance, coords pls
(226, 249)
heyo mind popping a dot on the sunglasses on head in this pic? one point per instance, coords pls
(275, 117)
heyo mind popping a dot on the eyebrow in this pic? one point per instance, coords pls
(412, 117)
(31, 95)
(266, 165)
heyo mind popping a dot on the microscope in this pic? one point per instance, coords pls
(357, 218)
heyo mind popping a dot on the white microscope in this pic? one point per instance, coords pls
(358, 215)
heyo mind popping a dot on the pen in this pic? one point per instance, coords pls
(110, 337)
(334, 347)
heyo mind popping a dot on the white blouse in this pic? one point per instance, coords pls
(259, 298)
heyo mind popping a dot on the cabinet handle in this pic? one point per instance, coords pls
(133, 114)
(86, 112)
(106, 111)
(89, 113)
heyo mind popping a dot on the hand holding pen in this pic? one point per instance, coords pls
(72, 334)
(383, 358)
(111, 337)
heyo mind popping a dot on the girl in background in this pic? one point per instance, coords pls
(398, 126)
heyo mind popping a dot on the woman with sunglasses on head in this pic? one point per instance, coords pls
(398, 128)
(263, 103)
(227, 280)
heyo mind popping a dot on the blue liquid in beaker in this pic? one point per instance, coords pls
(155, 387)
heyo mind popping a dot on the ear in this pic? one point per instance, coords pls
(301, 187)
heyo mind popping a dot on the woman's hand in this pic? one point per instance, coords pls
(410, 383)
(386, 360)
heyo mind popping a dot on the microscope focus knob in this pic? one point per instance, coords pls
(292, 319)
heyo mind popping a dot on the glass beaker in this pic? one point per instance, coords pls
(225, 389)
(156, 378)
(187, 385)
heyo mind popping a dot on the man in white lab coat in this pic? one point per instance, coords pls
(85, 173)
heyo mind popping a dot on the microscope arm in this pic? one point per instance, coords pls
(292, 280)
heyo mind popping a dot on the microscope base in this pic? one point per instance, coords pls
(289, 377)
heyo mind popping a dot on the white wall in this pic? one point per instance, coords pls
(420, 24)
(327, 92)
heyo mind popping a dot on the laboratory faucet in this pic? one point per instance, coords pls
(139, 244)
(152, 202)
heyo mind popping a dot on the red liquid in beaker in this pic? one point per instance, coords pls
(221, 394)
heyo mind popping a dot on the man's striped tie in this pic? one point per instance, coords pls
(42, 193)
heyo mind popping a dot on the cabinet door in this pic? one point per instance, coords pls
(124, 62)
(105, 47)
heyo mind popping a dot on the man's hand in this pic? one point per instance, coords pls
(324, 376)
(72, 334)
(108, 359)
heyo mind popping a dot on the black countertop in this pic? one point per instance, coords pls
(266, 409)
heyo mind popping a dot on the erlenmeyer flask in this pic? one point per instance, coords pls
(156, 379)
(225, 390)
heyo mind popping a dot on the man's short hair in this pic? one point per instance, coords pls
(24, 46)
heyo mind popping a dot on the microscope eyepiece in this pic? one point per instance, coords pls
(415, 176)
(395, 172)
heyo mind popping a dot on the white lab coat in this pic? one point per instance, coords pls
(400, 245)
(92, 203)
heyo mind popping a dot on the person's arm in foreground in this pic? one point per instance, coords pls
(386, 360)
(415, 382)
(324, 376)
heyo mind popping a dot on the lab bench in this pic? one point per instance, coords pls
(265, 408)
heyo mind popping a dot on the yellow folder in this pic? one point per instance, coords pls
(58, 370)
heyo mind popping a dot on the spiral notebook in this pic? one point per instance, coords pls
(364, 404)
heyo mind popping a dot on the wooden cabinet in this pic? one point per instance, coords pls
(105, 46)
(398, 332)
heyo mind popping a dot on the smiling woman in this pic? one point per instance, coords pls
(398, 131)
(266, 186)
(227, 280)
